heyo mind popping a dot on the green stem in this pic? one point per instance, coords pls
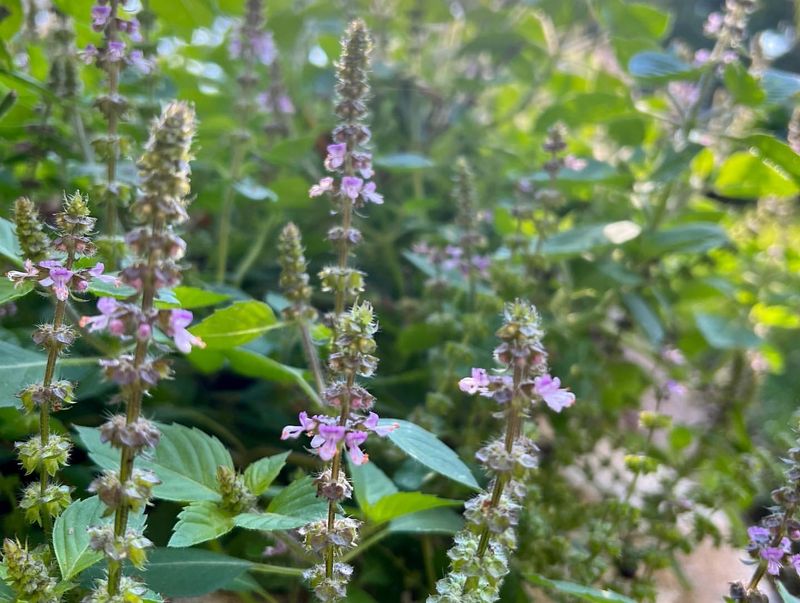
(255, 250)
(374, 539)
(134, 406)
(312, 357)
(227, 212)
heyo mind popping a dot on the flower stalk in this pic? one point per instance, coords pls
(164, 172)
(47, 453)
(480, 555)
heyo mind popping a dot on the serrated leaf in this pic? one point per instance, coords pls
(269, 522)
(584, 593)
(236, 325)
(260, 475)
(199, 522)
(433, 521)
(71, 540)
(186, 461)
(429, 450)
(402, 503)
(298, 499)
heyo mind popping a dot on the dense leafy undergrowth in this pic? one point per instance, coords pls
(396, 300)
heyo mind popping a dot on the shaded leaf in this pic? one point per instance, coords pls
(402, 503)
(9, 245)
(584, 593)
(191, 572)
(645, 317)
(260, 475)
(429, 450)
(433, 521)
(270, 522)
(746, 175)
(186, 461)
(198, 522)
(660, 67)
(404, 162)
(370, 484)
(299, 499)
(725, 333)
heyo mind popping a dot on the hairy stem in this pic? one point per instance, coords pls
(312, 357)
(134, 407)
(113, 70)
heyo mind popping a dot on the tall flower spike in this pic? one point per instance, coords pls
(111, 56)
(481, 551)
(353, 331)
(294, 283)
(27, 575)
(465, 256)
(32, 239)
(164, 174)
(45, 454)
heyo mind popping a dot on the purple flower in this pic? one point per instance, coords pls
(184, 340)
(115, 51)
(549, 389)
(336, 155)
(264, 48)
(139, 62)
(477, 382)
(576, 164)
(88, 54)
(758, 535)
(293, 431)
(713, 24)
(371, 423)
(327, 440)
(96, 272)
(351, 186)
(107, 306)
(702, 56)
(132, 27)
(353, 440)
(18, 277)
(324, 185)
(773, 555)
(58, 278)
(794, 561)
(368, 194)
(100, 16)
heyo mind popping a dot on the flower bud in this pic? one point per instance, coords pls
(32, 239)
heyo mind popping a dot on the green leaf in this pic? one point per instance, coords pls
(645, 317)
(186, 461)
(271, 522)
(404, 162)
(191, 572)
(198, 522)
(786, 596)
(780, 86)
(583, 239)
(657, 67)
(299, 499)
(725, 333)
(426, 448)
(775, 151)
(402, 503)
(9, 245)
(745, 174)
(697, 237)
(259, 475)
(744, 88)
(8, 292)
(20, 368)
(71, 540)
(236, 325)
(194, 297)
(370, 484)
(290, 152)
(584, 593)
(257, 366)
(433, 521)
(634, 19)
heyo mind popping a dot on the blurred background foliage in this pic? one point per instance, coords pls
(666, 266)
